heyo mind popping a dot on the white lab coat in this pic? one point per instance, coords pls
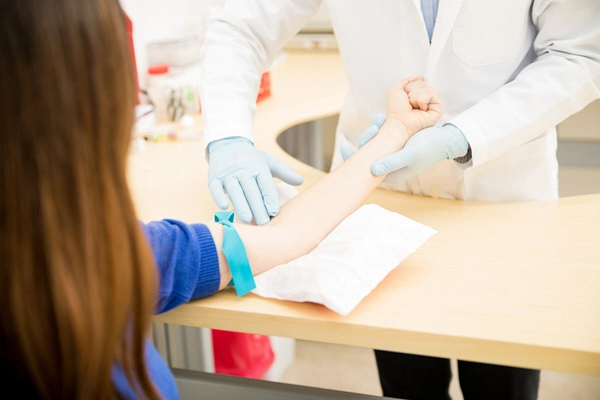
(507, 72)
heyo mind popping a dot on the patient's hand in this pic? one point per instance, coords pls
(413, 103)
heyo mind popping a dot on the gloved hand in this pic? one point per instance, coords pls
(367, 135)
(246, 173)
(424, 149)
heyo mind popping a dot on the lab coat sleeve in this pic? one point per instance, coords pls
(562, 80)
(239, 46)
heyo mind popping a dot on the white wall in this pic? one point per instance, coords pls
(164, 19)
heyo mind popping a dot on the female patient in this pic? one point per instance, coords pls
(80, 276)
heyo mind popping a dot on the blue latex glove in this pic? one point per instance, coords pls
(368, 134)
(426, 148)
(246, 174)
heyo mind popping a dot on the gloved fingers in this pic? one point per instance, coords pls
(391, 163)
(270, 196)
(283, 172)
(346, 150)
(378, 120)
(218, 194)
(367, 135)
(255, 200)
(236, 195)
(404, 173)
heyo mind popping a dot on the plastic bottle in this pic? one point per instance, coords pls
(158, 90)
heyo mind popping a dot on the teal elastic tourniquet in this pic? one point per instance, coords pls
(235, 253)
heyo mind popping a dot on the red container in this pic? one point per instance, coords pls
(129, 28)
(242, 354)
(264, 90)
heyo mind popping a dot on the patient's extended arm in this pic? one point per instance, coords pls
(308, 218)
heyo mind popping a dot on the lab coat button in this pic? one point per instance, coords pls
(435, 192)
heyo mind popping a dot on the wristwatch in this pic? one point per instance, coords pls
(466, 158)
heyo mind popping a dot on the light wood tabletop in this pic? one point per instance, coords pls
(505, 283)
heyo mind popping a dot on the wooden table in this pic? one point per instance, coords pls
(505, 283)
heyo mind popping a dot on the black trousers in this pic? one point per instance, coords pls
(413, 377)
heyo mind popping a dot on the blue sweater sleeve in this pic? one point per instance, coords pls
(186, 256)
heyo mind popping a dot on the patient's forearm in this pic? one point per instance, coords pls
(319, 209)
(308, 218)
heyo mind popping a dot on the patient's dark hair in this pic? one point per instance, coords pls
(77, 279)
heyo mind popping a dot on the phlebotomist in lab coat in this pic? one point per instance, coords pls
(507, 72)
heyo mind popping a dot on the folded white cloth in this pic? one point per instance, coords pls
(349, 263)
